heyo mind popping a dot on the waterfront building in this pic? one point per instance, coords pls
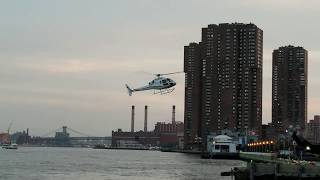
(224, 74)
(312, 131)
(20, 137)
(289, 87)
(268, 132)
(221, 144)
(4, 138)
(168, 135)
(135, 139)
(163, 127)
(164, 135)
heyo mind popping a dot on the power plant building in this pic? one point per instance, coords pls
(223, 81)
(164, 134)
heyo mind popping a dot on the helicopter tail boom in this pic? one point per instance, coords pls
(130, 91)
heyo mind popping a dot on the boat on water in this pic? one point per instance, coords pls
(10, 146)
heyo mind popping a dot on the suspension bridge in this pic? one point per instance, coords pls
(66, 136)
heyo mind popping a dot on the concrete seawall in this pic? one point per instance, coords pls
(268, 166)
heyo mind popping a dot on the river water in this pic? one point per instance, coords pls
(44, 163)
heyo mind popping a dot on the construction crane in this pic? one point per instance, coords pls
(8, 131)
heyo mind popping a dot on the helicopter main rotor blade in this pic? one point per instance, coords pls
(169, 73)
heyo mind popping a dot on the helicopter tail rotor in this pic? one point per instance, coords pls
(130, 91)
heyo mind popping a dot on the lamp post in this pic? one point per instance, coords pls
(268, 146)
(288, 142)
(198, 141)
(246, 136)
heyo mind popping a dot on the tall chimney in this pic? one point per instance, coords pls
(64, 129)
(173, 114)
(145, 118)
(132, 119)
(27, 137)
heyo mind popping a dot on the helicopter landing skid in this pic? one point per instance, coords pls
(163, 91)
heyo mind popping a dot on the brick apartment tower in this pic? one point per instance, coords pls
(289, 87)
(230, 81)
(192, 107)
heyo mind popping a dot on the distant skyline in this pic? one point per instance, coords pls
(66, 62)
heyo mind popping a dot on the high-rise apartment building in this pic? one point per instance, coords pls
(312, 130)
(230, 79)
(289, 87)
(192, 108)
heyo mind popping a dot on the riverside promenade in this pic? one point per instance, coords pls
(262, 166)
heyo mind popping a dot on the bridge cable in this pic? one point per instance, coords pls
(51, 132)
(79, 133)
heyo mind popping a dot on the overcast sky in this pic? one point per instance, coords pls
(66, 62)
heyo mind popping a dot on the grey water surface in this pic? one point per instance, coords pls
(47, 163)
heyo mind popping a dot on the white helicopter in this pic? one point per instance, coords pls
(160, 85)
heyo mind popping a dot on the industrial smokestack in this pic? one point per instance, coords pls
(145, 118)
(173, 114)
(27, 138)
(132, 119)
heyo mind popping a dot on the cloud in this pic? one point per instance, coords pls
(284, 5)
(60, 62)
(72, 66)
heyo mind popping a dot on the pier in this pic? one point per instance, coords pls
(262, 166)
(277, 171)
